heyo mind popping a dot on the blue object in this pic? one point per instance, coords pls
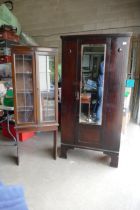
(90, 85)
(1, 185)
(12, 198)
(99, 104)
(101, 75)
(130, 83)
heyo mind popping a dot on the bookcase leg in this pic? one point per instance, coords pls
(17, 145)
(55, 144)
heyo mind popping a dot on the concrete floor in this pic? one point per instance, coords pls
(82, 182)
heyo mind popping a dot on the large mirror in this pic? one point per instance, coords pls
(92, 83)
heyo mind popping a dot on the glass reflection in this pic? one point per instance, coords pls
(24, 88)
(47, 88)
(92, 84)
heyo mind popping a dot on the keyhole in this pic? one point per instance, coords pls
(119, 49)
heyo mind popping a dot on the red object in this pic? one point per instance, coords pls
(5, 59)
(22, 136)
(26, 135)
(9, 35)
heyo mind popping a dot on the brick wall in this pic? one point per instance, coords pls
(46, 20)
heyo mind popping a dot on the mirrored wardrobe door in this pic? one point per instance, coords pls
(92, 83)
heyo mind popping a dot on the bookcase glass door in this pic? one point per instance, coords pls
(46, 66)
(24, 88)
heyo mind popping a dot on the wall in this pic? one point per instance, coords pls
(46, 20)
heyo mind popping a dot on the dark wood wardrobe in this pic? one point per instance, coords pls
(93, 79)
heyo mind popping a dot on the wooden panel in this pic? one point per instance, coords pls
(89, 135)
(69, 62)
(115, 91)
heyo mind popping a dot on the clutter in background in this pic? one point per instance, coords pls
(10, 35)
(27, 40)
(8, 19)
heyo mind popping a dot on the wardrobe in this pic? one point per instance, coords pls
(88, 92)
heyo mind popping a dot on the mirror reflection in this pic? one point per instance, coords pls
(92, 84)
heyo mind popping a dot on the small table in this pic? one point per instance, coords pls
(7, 110)
(86, 99)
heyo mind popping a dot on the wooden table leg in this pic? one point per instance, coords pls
(88, 110)
(55, 144)
(17, 139)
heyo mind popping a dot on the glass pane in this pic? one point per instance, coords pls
(92, 84)
(47, 88)
(24, 88)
